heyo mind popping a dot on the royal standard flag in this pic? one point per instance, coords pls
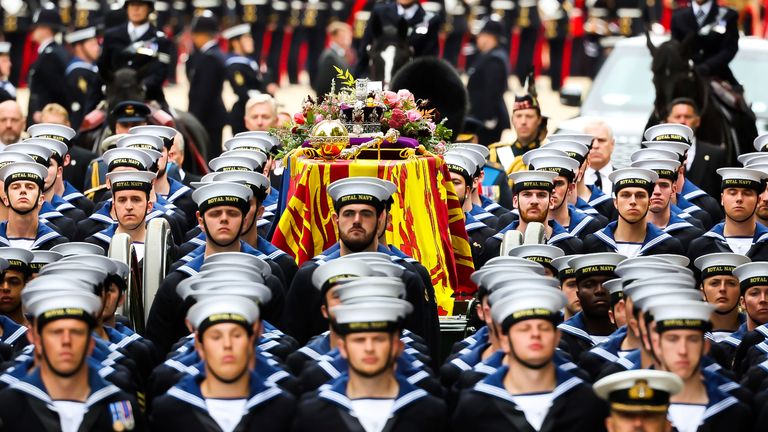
(427, 220)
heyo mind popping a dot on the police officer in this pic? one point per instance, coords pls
(229, 394)
(488, 82)
(83, 80)
(7, 89)
(207, 71)
(632, 235)
(243, 72)
(46, 72)
(65, 390)
(24, 196)
(122, 42)
(371, 396)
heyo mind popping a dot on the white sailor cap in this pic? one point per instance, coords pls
(742, 178)
(222, 194)
(512, 262)
(234, 163)
(58, 149)
(370, 257)
(538, 253)
(674, 132)
(9, 157)
(371, 287)
(361, 190)
(540, 152)
(5, 48)
(751, 275)
(753, 158)
(167, 134)
(40, 154)
(327, 274)
(258, 156)
(679, 148)
(682, 314)
(370, 317)
(664, 168)
(18, 259)
(24, 171)
(563, 267)
(719, 264)
(222, 309)
(258, 293)
(240, 258)
(99, 261)
(236, 31)
(562, 165)
(478, 148)
(263, 135)
(127, 157)
(653, 153)
(258, 143)
(498, 289)
(79, 248)
(595, 264)
(52, 285)
(639, 391)
(760, 142)
(248, 284)
(258, 182)
(143, 141)
(204, 180)
(81, 35)
(81, 271)
(615, 289)
(40, 259)
(460, 164)
(388, 269)
(633, 177)
(489, 276)
(131, 180)
(642, 288)
(52, 130)
(473, 153)
(584, 139)
(532, 180)
(539, 303)
(573, 149)
(74, 304)
(675, 259)
(638, 271)
(227, 272)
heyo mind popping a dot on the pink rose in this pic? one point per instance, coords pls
(405, 95)
(431, 126)
(390, 98)
(398, 119)
(413, 115)
(319, 118)
(298, 118)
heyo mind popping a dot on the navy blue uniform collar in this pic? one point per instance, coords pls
(336, 393)
(71, 193)
(11, 330)
(192, 267)
(579, 220)
(43, 235)
(493, 385)
(653, 236)
(609, 348)
(718, 232)
(32, 385)
(176, 190)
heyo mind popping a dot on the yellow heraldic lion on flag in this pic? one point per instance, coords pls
(427, 220)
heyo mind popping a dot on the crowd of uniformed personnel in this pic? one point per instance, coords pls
(607, 299)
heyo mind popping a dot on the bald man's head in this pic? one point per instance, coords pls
(11, 122)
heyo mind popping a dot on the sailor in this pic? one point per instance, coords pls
(530, 392)
(592, 325)
(532, 192)
(461, 169)
(47, 72)
(477, 155)
(495, 184)
(754, 299)
(41, 258)
(243, 72)
(539, 253)
(721, 289)
(82, 74)
(680, 348)
(739, 233)
(16, 271)
(229, 394)
(660, 203)
(632, 235)
(372, 396)
(7, 89)
(639, 399)
(577, 223)
(65, 390)
(565, 275)
(23, 188)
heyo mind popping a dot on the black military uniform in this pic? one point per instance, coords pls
(118, 51)
(46, 72)
(528, 22)
(716, 41)
(83, 81)
(255, 13)
(207, 71)
(423, 30)
(486, 86)
(244, 77)
(313, 17)
(16, 23)
(556, 32)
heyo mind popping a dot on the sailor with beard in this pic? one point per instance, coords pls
(371, 396)
(739, 233)
(632, 235)
(532, 197)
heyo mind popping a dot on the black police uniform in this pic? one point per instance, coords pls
(154, 72)
(207, 71)
(45, 76)
(486, 86)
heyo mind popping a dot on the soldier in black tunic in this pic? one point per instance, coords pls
(515, 396)
(65, 392)
(46, 73)
(371, 396)
(229, 394)
(243, 73)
